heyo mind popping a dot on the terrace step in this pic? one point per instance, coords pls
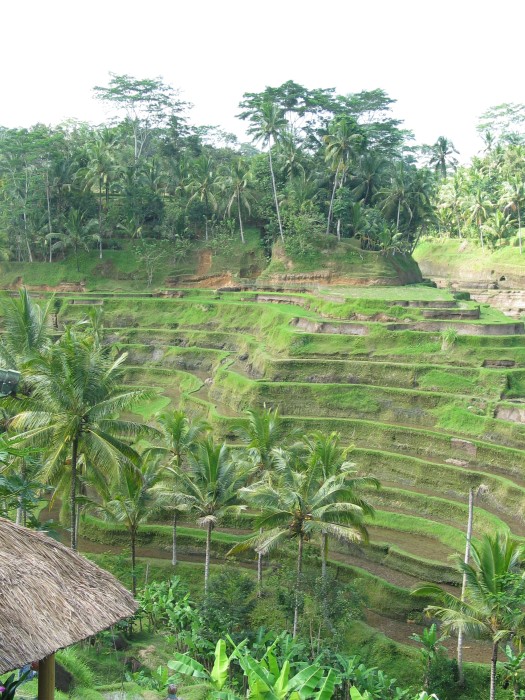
(460, 328)
(452, 314)
(341, 328)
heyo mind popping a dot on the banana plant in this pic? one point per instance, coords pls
(217, 677)
(266, 681)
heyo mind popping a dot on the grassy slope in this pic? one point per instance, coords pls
(460, 260)
(405, 456)
(122, 270)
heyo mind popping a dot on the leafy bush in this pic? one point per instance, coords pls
(228, 605)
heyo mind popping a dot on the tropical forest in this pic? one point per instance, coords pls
(274, 388)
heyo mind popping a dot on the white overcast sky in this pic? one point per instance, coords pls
(444, 61)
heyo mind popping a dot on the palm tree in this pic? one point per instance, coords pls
(493, 605)
(202, 185)
(441, 156)
(479, 207)
(180, 436)
(267, 124)
(211, 485)
(298, 506)
(130, 499)
(512, 198)
(329, 458)
(99, 172)
(236, 184)
(76, 235)
(343, 141)
(75, 397)
(262, 432)
(395, 196)
(26, 329)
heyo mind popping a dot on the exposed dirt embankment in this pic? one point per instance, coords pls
(65, 287)
(492, 277)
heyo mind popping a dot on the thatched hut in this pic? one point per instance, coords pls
(50, 597)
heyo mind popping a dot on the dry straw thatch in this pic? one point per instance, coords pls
(50, 597)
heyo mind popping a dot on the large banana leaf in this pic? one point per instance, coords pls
(219, 672)
(305, 681)
(326, 689)
(281, 683)
(184, 664)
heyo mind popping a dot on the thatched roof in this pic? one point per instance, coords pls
(50, 597)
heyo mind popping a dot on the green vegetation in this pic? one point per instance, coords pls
(392, 404)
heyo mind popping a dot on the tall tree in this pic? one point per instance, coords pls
(326, 455)
(267, 123)
(441, 156)
(146, 105)
(211, 485)
(180, 437)
(26, 329)
(299, 505)
(512, 197)
(342, 143)
(494, 602)
(235, 183)
(130, 499)
(262, 432)
(75, 398)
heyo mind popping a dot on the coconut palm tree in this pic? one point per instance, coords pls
(267, 124)
(299, 505)
(494, 603)
(211, 485)
(512, 198)
(99, 173)
(202, 185)
(479, 207)
(343, 142)
(262, 432)
(180, 436)
(235, 183)
(130, 499)
(441, 156)
(326, 455)
(77, 234)
(26, 329)
(71, 414)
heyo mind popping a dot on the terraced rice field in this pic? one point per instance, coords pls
(429, 390)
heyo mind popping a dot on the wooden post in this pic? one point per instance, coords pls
(46, 678)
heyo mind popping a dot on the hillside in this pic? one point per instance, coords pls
(496, 277)
(427, 388)
(224, 262)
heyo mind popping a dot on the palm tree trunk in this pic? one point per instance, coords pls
(73, 494)
(21, 515)
(481, 237)
(240, 217)
(332, 198)
(298, 583)
(324, 554)
(174, 541)
(275, 196)
(461, 675)
(259, 570)
(493, 668)
(133, 562)
(207, 559)
(48, 200)
(519, 226)
(100, 220)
